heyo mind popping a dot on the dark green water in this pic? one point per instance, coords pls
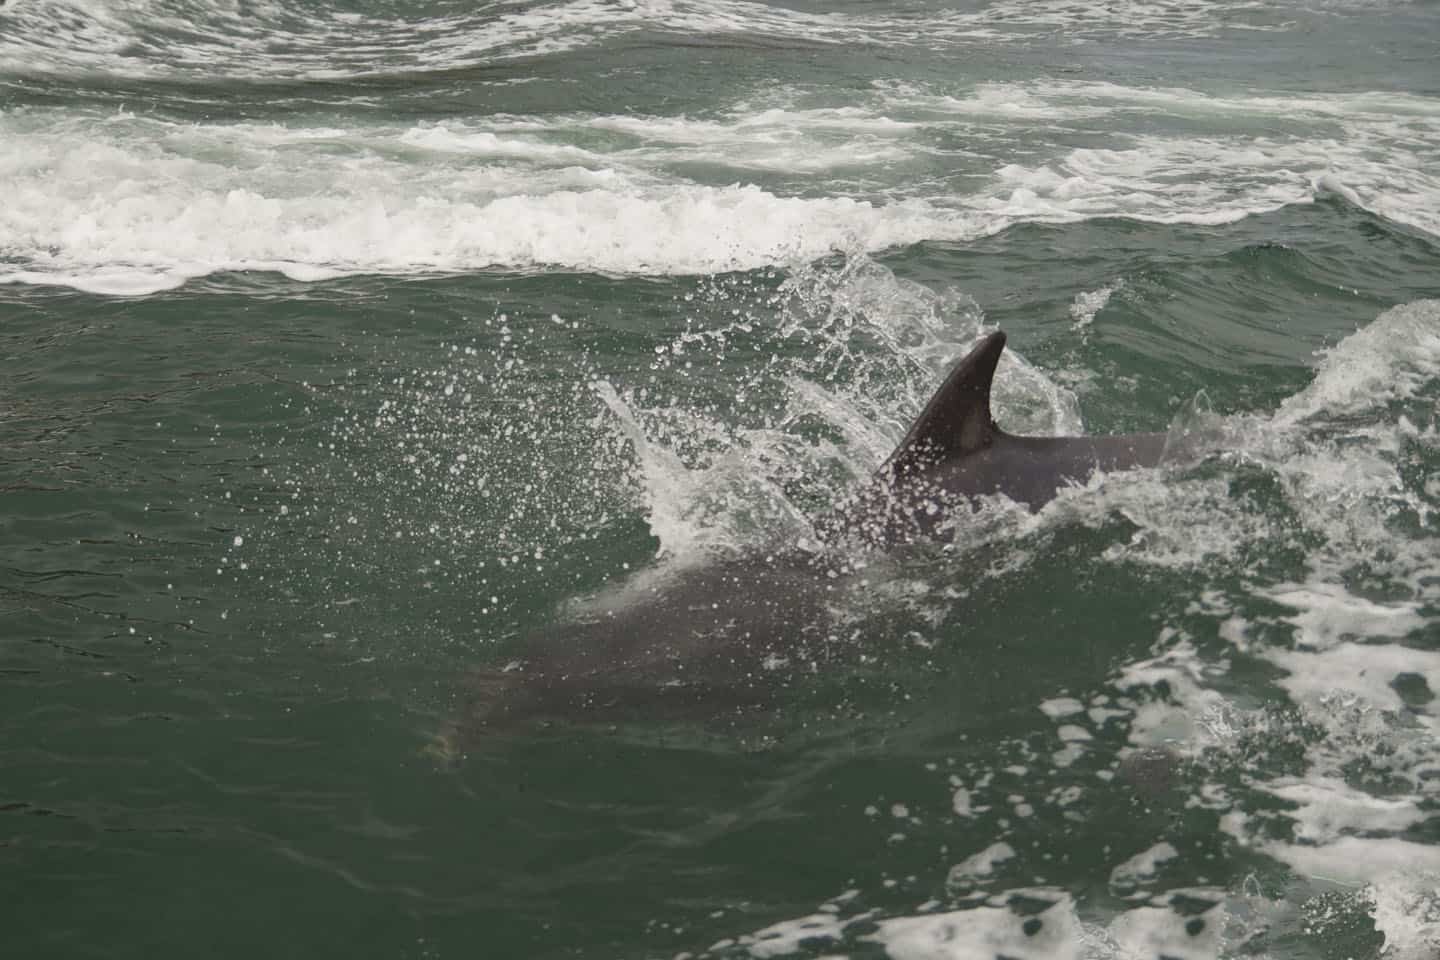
(341, 357)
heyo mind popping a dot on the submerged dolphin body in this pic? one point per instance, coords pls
(722, 635)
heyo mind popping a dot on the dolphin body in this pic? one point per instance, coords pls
(722, 636)
(955, 453)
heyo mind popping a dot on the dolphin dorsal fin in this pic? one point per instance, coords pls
(957, 419)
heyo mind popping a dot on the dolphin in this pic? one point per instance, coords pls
(955, 453)
(721, 636)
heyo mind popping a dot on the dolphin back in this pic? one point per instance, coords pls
(955, 453)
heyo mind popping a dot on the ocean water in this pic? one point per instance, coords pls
(348, 346)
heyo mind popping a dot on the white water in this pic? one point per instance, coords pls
(189, 38)
(127, 204)
(1341, 658)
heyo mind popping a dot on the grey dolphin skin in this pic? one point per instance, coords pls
(955, 452)
(721, 636)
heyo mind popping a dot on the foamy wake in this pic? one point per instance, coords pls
(142, 246)
(1331, 771)
(1351, 641)
(130, 206)
(165, 38)
(1025, 923)
(124, 204)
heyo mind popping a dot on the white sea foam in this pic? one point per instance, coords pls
(267, 39)
(1329, 613)
(127, 204)
(994, 929)
(1360, 860)
(786, 936)
(1351, 651)
(1140, 870)
(1061, 707)
(132, 206)
(1389, 359)
(1177, 719)
(755, 137)
(979, 868)
(1154, 179)
(1407, 911)
(1377, 150)
(1162, 931)
(1365, 670)
(1091, 302)
(1047, 927)
(1329, 808)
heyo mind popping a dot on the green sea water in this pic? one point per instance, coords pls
(346, 350)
